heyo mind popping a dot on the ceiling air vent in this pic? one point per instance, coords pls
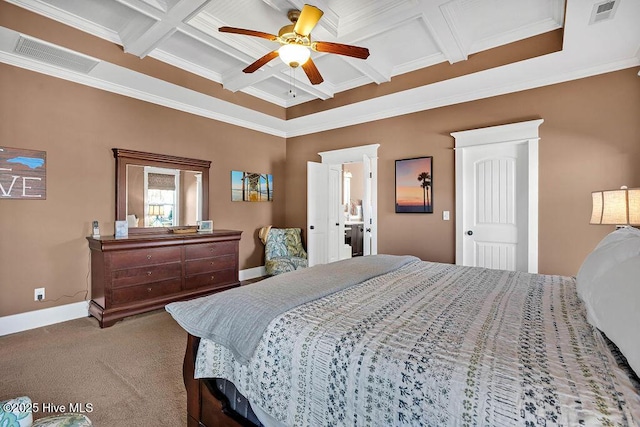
(54, 55)
(603, 11)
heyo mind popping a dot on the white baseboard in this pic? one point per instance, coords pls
(45, 317)
(49, 316)
(252, 273)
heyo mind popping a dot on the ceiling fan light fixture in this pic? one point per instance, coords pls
(294, 55)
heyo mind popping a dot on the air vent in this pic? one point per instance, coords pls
(603, 11)
(54, 55)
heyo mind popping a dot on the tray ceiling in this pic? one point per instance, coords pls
(402, 35)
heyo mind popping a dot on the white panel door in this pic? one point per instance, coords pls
(317, 212)
(497, 196)
(494, 214)
(333, 205)
(369, 244)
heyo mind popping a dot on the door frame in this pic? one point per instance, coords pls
(355, 154)
(514, 133)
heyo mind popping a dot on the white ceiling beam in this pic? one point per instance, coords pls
(143, 7)
(140, 44)
(443, 31)
(376, 74)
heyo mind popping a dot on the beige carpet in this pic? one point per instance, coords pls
(131, 372)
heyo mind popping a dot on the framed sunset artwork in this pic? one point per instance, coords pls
(414, 185)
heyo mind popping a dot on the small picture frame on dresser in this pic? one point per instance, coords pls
(205, 226)
(122, 229)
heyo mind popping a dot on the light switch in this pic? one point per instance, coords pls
(445, 215)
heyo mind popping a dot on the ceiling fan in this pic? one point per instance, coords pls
(296, 42)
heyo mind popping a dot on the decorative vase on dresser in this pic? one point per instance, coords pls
(145, 272)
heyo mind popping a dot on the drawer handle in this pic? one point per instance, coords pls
(148, 256)
(149, 289)
(148, 273)
(213, 276)
(212, 263)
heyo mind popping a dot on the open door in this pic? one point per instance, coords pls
(369, 243)
(317, 213)
(335, 226)
(325, 222)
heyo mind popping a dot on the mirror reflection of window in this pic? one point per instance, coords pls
(163, 197)
(162, 193)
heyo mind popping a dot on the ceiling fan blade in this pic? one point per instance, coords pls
(260, 62)
(312, 72)
(309, 17)
(341, 49)
(248, 33)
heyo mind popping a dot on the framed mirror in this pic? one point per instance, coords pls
(155, 192)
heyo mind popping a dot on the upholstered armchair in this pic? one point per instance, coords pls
(283, 250)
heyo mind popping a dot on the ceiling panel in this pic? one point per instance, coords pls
(337, 70)
(109, 14)
(405, 43)
(196, 52)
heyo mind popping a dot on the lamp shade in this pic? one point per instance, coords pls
(294, 55)
(616, 207)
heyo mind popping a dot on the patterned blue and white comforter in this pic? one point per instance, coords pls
(434, 345)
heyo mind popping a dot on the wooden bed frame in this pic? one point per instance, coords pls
(206, 406)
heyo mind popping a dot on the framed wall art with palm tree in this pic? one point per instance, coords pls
(414, 185)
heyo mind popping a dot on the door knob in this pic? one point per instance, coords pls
(337, 223)
(311, 227)
(368, 230)
(470, 233)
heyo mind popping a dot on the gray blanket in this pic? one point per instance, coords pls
(237, 318)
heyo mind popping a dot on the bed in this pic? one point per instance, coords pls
(393, 340)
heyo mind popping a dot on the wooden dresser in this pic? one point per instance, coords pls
(144, 272)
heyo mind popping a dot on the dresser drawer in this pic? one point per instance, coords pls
(207, 250)
(149, 274)
(145, 271)
(216, 278)
(147, 291)
(210, 264)
(138, 257)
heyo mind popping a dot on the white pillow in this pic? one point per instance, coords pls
(615, 308)
(615, 248)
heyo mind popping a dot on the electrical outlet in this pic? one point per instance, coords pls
(445, 215)
(38, 294)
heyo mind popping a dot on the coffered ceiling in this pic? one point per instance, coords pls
(402, 36)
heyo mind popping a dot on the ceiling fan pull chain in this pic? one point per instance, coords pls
(293, 74)
(292, 82)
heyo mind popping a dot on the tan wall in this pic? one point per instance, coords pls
(42, 243)
(590, 140)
